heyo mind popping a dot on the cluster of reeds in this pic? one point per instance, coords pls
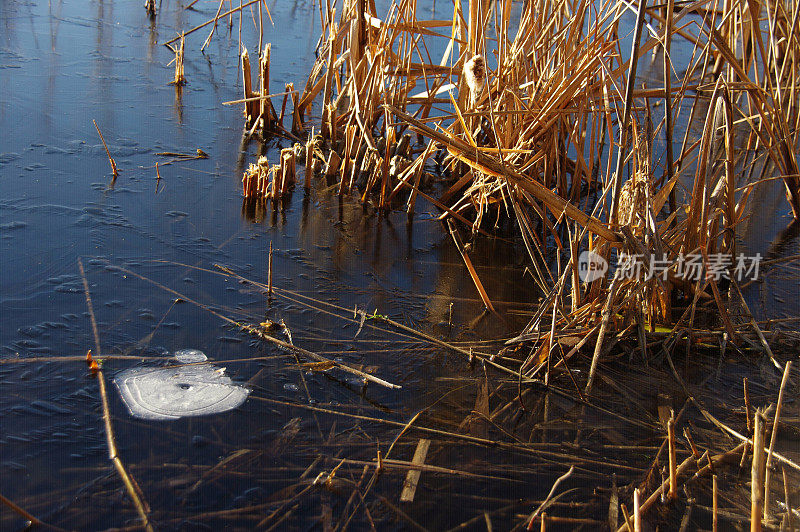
(179, 79)
(540, 120)
(265, 181)
(540, 102)
(748, 136)
(258, 110)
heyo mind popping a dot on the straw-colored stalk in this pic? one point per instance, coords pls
(757, 474)
(179, 79)
(111, 160)
(135, 493)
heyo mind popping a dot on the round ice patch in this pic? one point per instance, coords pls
(172, 393)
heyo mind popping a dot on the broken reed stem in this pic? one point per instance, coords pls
(773, 437)
(747, 409)
(247, 84)
(637, 512)
(262, 335)
(673, 467)
(259, 98)
(269, 273)
(90, 307)
(212, 21)
(626, 114)
(470, 268)
(606, 319)
(413, 475)
(757, 474)
(627, 516)
(214, 27)
(33, 522)
(16, 509)
(789, 516)
(309, 164)
(108, 153)
(546, 500)
(266, 110)
(714, 503)
(656, 495)
(130, 484)
(179, 79)
(668, 126)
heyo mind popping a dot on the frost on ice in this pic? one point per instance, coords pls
(173, 393)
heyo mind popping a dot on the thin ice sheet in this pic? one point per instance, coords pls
(173, 393)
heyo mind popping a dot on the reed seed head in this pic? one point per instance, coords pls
(475, 75)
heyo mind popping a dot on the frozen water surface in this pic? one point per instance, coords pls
(190, 356)
(176, 392)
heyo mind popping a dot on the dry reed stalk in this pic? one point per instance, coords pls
(715, 506)
(420, 169)
(250, 113)
(673, 466)
(276, 183)
(289, 90)
(289, 164)
(214, 27)
(213, 21)
(682, 468)
(269, 273)
(332, 166)
(627, 516)
(259, 333)
(19, 511)
(179, 79)
(772, 439)
(266, 110)
(256, 98)
(470, 268)
(637, 512)
(413, 476)
(545, 503)
(135, 493)
(604, 324)
(757, 473)
(108, 153)
(789, 516)
(309, 168)
(613, 505)
(297, 116)
(747, 408)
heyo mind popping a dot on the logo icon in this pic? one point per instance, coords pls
(591, 266)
